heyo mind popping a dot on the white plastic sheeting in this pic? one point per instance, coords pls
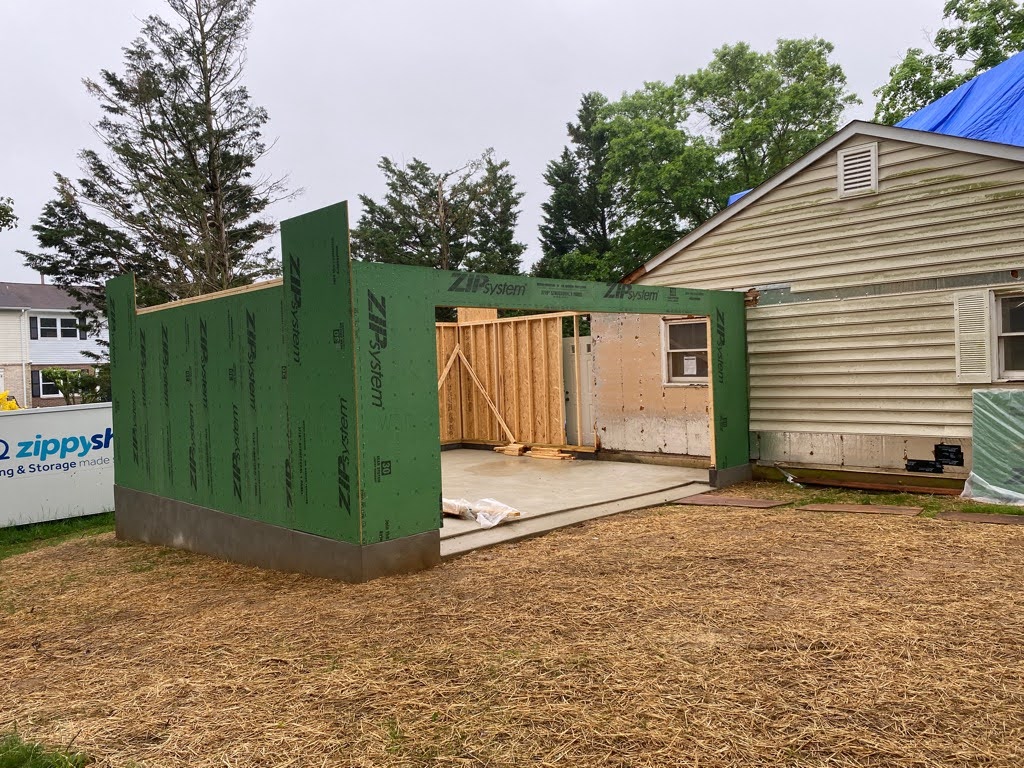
(997, 472)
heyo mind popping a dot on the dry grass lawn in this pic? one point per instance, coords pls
(668, 637)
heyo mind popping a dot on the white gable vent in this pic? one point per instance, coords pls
(971, 318)
(858, 170)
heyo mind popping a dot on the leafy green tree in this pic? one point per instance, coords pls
(458, 219)
(78, 386)
(766, 110)
(172, 193)
(575, 235)
(663, 177)
(978, 35)
(653, 165)
(7, 218)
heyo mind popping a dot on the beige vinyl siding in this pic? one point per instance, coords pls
(865, 381)
(859, 366)
(13, 349)
(937, 212)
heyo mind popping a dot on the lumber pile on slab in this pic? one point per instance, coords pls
(549, 453)
(512, 449)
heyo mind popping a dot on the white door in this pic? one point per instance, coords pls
(585, 435)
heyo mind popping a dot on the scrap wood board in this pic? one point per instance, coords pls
(873, 509)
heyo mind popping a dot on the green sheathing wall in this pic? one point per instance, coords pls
(321, 488)
(198, 399)
(312, 405)
(395, 358)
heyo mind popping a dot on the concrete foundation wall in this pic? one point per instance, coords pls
(634, 410)
(850, 451)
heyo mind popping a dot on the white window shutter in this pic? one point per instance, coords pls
(971, 315)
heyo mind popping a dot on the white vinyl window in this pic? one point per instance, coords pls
(685, 345)
(1010, 336)
(43, 387)
(55, 327)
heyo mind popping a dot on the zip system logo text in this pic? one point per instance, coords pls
(377, 324)
(483, 284)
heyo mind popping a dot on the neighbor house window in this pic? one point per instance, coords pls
(1010, 335)
(685, 343)
(54, 328)
(42, 387)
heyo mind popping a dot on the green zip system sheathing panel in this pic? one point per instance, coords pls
(311, 404)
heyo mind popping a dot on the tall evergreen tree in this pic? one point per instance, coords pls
(494, 247)
(458, 219)
(7, 218)
(575, 234)
(172, 194)
(978, 34)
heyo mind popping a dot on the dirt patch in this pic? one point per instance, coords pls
(673, 636)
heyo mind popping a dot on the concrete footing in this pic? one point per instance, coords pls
(158, 520)
(721, 478)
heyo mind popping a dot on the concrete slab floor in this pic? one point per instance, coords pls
(550, 494)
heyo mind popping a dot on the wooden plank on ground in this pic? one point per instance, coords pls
(712, 500)
(979, 517)
(871, 509)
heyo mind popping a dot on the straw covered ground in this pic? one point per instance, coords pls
(668, 637)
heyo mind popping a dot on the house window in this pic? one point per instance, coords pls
(685, 343)
(68, 328)
(1010, 336)
(48, 327)
(42, 387)
(54, 328)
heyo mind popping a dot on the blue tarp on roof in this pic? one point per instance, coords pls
(736, 196)
(989, 107)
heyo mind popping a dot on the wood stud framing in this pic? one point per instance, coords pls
(501, 380)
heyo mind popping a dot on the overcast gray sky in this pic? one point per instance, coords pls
(348, 82)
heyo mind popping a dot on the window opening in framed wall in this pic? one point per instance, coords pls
(685, 345)
(1010, 335)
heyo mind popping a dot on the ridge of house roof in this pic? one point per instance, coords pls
(35, 296)
(855, 128)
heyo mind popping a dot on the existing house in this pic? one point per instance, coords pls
(885, 282)
(39, 330)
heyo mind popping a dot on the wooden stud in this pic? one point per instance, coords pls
(483, 392)
(448, 366)
(211, 296)
(579, 392)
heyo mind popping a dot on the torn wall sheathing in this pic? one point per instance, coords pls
(295, 426)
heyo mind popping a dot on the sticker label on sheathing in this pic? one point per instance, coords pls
(381, 468)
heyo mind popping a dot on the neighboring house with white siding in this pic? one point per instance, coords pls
(885, 281)
(39, 330)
